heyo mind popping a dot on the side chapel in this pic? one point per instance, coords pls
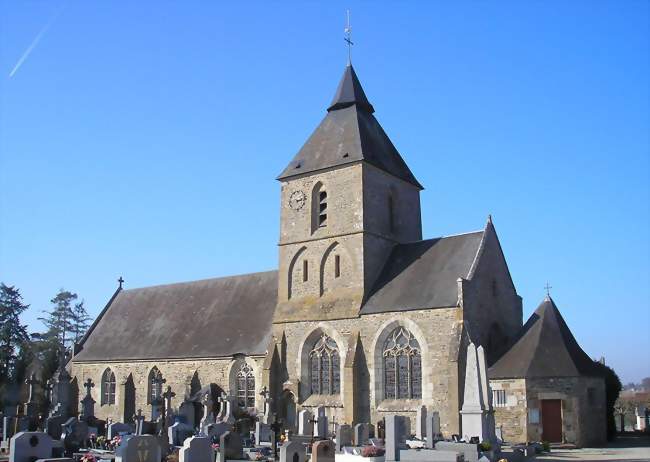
(363, 315)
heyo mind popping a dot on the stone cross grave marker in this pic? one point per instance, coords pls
(267, 405)
(88, 403)
(321, 422)
(167, 406)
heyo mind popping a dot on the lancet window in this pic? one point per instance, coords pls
(402, 366)
(325, 367)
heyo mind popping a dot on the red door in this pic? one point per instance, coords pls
(552, 420)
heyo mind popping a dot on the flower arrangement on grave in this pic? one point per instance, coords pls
(92, 440)
(485, 446)
(88, 457)
(101, 442)
(546, 446)
(372, 451)
(115, 442)
(173, 457)
(215, 446)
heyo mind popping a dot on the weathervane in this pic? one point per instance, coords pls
(348, 38)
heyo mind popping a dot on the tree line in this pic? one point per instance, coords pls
(22, 352)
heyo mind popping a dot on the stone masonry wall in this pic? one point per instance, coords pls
(433, 329)
(583, 419)
(178, 374)
(512, 417)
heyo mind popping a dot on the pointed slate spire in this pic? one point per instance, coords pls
(349, 133)
(350, 92)
(545, 347)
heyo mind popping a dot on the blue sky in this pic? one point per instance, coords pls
(143, 138)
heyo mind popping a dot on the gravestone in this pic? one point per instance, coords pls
(266, 416)
(293, 451)
(486, 391)
(186, 412)
(470, 451)
(196, 449)
(343, 437)
(262, 433)
(53, 426)
(421, 422)
(305, 425)
(215, 430)
(74, 434)
(396, 432)
(361, 434)
(323, 451)
(139, 448)
(8, 424)
(178, 433)
(208, 416)
(433, 429)
(29, 446)
(138, 419)
(229, 416)
(230, 446)
(321, 423)
(30, 405)
(118, 428)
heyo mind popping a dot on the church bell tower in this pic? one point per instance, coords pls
(347, 198)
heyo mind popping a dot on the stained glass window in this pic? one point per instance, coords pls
(402, 366)
(108, 387)
(155, 385)
(246, 386)
(325, 367)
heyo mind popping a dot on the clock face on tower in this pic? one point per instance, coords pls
(297, 200)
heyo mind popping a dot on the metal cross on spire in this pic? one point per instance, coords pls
(548, 288)
(348, 38)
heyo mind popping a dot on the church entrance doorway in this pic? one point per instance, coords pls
(552, 420)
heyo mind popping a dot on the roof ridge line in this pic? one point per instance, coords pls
(230, 276)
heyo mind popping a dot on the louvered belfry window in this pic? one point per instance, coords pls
(402, 366)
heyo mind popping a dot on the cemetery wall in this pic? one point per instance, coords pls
(436, 332)
(583, 408)
(512, 417)
(178, 375)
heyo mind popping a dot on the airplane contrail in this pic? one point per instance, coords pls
(37, 39)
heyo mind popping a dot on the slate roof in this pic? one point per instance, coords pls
(424, 274)
(349, 133)
(208, 318)
(545, 347)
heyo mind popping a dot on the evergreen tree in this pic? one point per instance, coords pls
(13, 334)
(80, 321)
(59, 321)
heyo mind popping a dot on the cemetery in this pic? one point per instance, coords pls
(224, 434)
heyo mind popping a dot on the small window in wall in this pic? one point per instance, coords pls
(305, 271)
(322, 209)
(499, 398)
(337, 266)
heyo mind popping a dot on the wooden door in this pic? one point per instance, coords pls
(552, 420)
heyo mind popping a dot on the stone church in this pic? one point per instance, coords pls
(363, 315)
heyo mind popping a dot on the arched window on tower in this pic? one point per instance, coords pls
(246, 386)
(402, 366)
(325, 367)
(155, 383)
(108, 387)
(318, 207)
